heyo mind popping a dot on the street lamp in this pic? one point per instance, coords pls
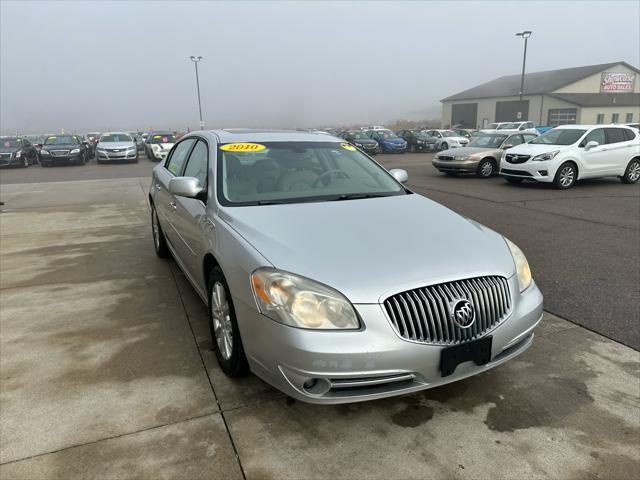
(195, 61)
(526, 34)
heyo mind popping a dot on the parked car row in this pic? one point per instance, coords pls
(560, 156)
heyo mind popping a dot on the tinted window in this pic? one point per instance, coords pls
(179, 155)
(596, 135)
(197, 164)
(629, 135)
(615, 135)
(559, 136)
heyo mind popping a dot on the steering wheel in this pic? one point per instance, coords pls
(328, 173)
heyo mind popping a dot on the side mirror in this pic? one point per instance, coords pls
(185, 187)
(591, 145)
(508, 145)
(397, 173)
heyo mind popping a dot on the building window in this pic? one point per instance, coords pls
(600, 118)
(562, 116)
(629, 118)
(615, 117)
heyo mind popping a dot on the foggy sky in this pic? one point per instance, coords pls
(98, 65)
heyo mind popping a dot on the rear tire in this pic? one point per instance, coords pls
(223, 326)
(632, 172)
(159, 241)
(444, 146)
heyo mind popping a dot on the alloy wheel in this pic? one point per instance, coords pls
(634, 171)
(567, 176)
(487, 169)
(221, 315)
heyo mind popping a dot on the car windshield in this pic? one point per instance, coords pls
(116, 137)
(62, 140)
(11, 142)
(163, 138)
(560, 136)
(508, 126)
(296, 172)
(488, 141)
(357, 136)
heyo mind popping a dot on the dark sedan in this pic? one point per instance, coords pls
(418, 140)
(360, 139)
(17, 151)
(63, 149)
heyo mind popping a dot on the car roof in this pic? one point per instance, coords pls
(583, 127)
(231, 135)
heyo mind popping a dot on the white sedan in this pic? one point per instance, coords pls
(447, 139)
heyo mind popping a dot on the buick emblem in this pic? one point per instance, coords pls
(463, 313)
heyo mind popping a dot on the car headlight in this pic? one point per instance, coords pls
(461, 157)
(75, 150)
(420, 142)
(44, 152)
(359, 145)
(131, 149)
(522, 266)
(300, 302)
(545, 156)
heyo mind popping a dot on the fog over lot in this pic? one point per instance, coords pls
(105, 65)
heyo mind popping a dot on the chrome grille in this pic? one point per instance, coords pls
(513, 158)
(5, 155)
(424, 314)
(445, 157)
(59, 153)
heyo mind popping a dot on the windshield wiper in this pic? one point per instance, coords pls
(270, 202)
(356, 196)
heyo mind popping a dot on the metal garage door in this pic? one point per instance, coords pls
(508, 111)
(464, 114)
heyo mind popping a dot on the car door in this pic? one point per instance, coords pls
(190, 218)
(164, 201)
(594, 160)
(619, 150)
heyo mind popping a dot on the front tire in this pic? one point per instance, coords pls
(486, 168)
(632, 173)
(159, 241)
(223, 326)
(565, 176)
(444, 146)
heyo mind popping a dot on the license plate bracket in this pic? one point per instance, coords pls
(479, 351)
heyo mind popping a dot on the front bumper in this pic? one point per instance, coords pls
(63, 159)
(456, 166)
(374, 362)
(159, 156)
(537, 171)
(116, 156)
(394, 148)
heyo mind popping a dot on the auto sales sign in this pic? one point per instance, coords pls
(612, 82)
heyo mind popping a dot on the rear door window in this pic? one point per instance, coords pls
(615, 135)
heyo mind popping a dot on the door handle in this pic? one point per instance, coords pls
(158, 186)
(173, 205)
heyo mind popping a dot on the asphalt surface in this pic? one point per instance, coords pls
(582, 244)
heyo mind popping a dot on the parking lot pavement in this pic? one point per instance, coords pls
(107, 372)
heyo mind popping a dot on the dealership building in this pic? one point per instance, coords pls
(606, 93)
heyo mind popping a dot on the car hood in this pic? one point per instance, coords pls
(468, 151)
(395, 141)
(116, 144)
(371, 248)
(536, 149)
(456, 139)
(368, 141)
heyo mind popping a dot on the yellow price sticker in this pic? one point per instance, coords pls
(348, 146)
(157, 136)
(242, 147)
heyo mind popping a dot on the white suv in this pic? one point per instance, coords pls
(573, 152)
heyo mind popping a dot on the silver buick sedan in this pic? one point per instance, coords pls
(328, 278)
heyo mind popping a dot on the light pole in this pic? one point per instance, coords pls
(195, 61)
(526, 34)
